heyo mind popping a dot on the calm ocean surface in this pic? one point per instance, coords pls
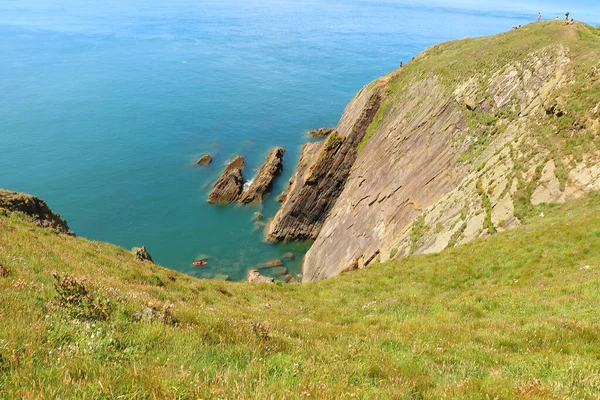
(105, 106)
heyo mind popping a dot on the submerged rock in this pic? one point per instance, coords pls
(279, 271)
(35, 208)
(228, 187)
(264, 179)
(320, 133)
(221, 277)
(141, 254)
(255, 277)
(204, 160)
(289, 256)
(271, 263)
(258, 216)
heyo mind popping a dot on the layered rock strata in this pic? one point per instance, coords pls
(322, 172)
(264, 179)
(228, 188)
(451, 152)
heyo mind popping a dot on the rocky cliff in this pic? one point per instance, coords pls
(468, 139)
(35, 208)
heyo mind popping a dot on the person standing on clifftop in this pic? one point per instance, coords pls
(567, 15)
(539, 17)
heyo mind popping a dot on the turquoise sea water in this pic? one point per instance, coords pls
(106, 105)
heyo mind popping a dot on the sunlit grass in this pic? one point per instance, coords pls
(514, 315)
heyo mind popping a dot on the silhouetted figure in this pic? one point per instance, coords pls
(567, 15)
(539, 17)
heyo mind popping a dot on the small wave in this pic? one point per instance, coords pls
(248, 184)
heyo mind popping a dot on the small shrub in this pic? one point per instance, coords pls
(261, 331)
(4, 272)
(73, 296)
(156, 312)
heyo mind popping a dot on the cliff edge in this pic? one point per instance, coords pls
(470, 138)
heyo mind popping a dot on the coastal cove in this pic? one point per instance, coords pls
(106, 110)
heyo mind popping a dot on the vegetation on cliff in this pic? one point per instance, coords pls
(471, 137)
(513, 315)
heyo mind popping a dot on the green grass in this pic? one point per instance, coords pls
(453, 63)
(511, 316)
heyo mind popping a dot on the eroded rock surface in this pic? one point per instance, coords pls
(229, 186)
(204, 160)
(444, 162)
(321, 132)
(322, 172)
(264, 179)
(35, 208)
(254, 276)
(141, 254)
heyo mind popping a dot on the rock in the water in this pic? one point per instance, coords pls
(279, 271)
(289, 256)
(290, 279)
(255, 277)
(264, 179)
(221, 277)
(204, 160)
(320, 133)
(271, 263)
(229, 186)
(258, 216)
(35, 208)
(282, 197)
(141, 254)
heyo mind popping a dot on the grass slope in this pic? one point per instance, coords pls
(512, 316)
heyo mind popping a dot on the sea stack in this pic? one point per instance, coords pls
(229, 186)
(264, 179)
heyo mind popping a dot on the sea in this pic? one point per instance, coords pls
(105, 105)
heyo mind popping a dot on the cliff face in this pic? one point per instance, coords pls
(323, 170)
(466, 140)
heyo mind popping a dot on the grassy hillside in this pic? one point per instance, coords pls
(512, 316)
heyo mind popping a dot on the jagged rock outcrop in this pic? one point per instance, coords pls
(321, 132)
(254, 276)
(264, 179)
(141, 254)
(35, 208)
(322, 171)
(204, 160)
(229, 186)
(452, 153)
